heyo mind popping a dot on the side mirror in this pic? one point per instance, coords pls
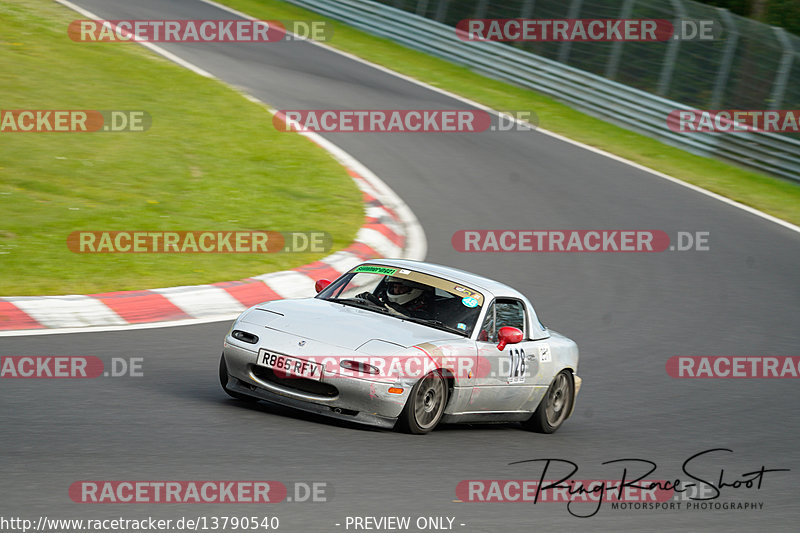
(508, 335)
(320, 285)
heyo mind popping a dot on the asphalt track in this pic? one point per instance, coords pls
(628, 312)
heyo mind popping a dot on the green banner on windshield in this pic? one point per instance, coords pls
(375, 270)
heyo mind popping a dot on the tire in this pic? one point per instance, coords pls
(555, 406)
(425, 404)
(223, 380)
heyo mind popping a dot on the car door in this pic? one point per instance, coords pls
(509, 383)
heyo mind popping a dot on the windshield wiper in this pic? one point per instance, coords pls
(361, 303)
(436, 324)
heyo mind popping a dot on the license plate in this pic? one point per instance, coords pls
(288, 366)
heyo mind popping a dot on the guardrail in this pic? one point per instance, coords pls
(618, 103)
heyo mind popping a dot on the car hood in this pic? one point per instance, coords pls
(342, 325)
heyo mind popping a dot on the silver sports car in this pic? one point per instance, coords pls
(407, 343)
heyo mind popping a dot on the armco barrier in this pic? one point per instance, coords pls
(632, 108)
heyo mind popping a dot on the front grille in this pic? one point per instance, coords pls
(300, 384)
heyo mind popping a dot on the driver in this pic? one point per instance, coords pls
(408, 297)
(405, 296)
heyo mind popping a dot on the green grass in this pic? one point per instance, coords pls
(777, 197)
(211, 161)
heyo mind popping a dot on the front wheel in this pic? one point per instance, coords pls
(555, 406)
(425, 404)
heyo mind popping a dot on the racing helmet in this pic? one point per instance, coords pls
(401, 291)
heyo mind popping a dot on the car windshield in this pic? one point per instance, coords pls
(409, 295)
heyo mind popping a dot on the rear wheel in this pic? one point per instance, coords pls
(555, 406)
(223, 380)
(425, 404)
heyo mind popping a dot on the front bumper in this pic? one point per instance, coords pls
(348, 398)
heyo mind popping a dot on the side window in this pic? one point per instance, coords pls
(510, 313)
(487, 328)
(502, 313)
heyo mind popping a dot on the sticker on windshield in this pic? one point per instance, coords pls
(469, 301)
(463, 290)
(461, 326)
(375, 270)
